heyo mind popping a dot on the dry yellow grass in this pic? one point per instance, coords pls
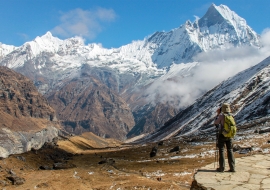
(88, 141)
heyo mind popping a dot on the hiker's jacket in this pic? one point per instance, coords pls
(220, 119)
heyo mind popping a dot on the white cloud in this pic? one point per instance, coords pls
(265, 38)
(23, 36)
(84, 23)
(214, 67)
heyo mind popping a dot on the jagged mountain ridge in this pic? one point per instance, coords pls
(248, 92)
(51, 62)
(218, 28)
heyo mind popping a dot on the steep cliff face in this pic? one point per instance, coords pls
(27, 120)
(20, 98)
(84, 104)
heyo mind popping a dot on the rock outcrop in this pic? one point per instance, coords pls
(27, 121)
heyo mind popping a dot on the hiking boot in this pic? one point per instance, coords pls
(220, 170)
(231, 170)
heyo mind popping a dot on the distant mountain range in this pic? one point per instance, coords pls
(124, 75)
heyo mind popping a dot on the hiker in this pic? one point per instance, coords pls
(219, 122)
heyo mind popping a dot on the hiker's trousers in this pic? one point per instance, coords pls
(229, 145)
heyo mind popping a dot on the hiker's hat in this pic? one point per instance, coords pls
(226, 108)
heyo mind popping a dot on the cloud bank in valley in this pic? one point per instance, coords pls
(212, 68)
(84, 23)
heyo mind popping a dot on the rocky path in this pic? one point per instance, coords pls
(252, 172)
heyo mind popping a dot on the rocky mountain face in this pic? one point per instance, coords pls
(248, 92)
(151, 118)
(27, 120)
(85, 104)
(131, 70)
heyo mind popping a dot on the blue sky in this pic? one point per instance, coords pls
(112, 23)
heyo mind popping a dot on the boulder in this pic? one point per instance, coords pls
(45, 167)
(59, 166)
(236, 148)
(153, 152)
(107, 161)
(175, 149)
(102, 162)
(21, 158)
(16, 180)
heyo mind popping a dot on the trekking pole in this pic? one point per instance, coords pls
(217, 134)
(216, 151)
(215, 156)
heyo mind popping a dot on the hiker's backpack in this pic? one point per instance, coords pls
(229, 126)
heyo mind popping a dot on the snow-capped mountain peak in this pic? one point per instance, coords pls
(219, 28)
(49, 43)
(6, 49)
(45, 43)
(222, 20)
(217, 15)
(48, 36)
